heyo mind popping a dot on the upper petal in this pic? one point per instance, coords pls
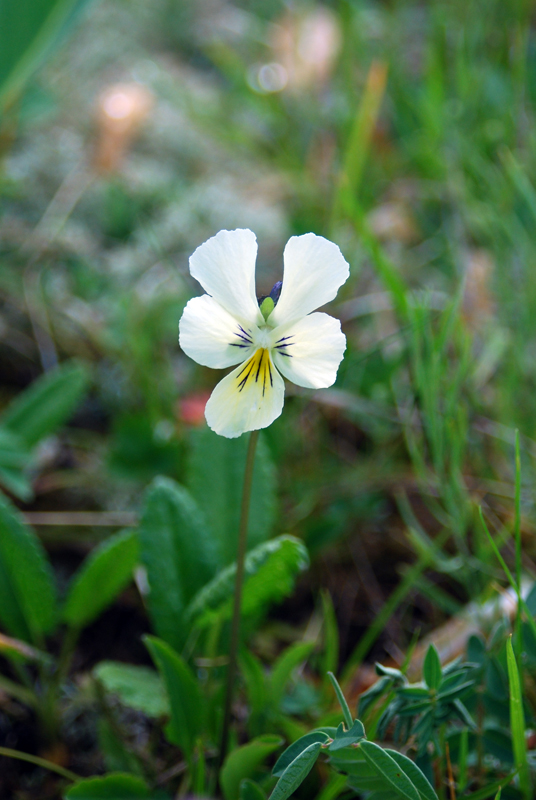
(309, 352)
(247, 399)
(314, 268)
(225, 267)
(212, 336)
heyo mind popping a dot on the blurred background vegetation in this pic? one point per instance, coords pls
(404, 131)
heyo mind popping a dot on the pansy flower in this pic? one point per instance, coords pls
(274, 337)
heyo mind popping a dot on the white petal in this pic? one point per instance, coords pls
(212, 336)
(247, 399)
(314, 268)
(225, 268)
(309, 352)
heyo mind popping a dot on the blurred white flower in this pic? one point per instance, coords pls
(275, 336)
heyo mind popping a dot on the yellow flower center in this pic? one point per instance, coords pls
(256, 369)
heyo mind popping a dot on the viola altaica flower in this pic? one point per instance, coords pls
(275, 336)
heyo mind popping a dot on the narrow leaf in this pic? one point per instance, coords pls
(102, 576)
(283, 668)
(417, 777)
(517, 722)
(47, 403)
(432, 672)
(296, 772)
(27, 593)
(178, 552)
(185, 700)
(342, 701)
(389, 769)
(346, 738)
(293, 751)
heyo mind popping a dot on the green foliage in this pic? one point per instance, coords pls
(102, 576)
(270, 571)
(34, 414)
(517, 723)
(216, 471)
(296, 772)
(244, 762)
(114, 786)
(46, 404)
(28, 32)
(140, 688)
(28, 606)
(179, 553)
(184, 693)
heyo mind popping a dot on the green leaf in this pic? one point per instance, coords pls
(283, 668)
(14, 457)
(293, 751)
(102, 576)
(254, 677)
(342, 700)
(178, 552)
(115, 786)
(49, 401)
(345, 738)
(185, 699)
(140, 688)
(388, 768)
(249, 790)
(417, 777)
(28, 607)
(517, 722)
(216, 471)
(432, 672)
(270, 570)
(243, 762)
(296, 772)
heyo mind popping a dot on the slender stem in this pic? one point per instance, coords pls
(39, 762)
(235, 623)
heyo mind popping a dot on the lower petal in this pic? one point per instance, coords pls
(309, 352)
(249, 398)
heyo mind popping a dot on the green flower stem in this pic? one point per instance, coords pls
(235, 623)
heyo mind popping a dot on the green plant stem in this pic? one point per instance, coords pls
(39, 762)
(235, 623)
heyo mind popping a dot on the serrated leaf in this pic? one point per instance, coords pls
(388, 768)
(28, 607)
(296, 772)
(243, 762)
(417, 777)
(283, 668)
(178, 552)
(432, 672)
(270, 571)
(293, 751)
(103, 575)
(46, 404)
(185, 700)
(344, 738)
(140, 688)
(115, 786)
(216, 471)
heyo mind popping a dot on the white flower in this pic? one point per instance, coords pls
(226, 326)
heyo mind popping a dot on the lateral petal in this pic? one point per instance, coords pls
(212, 336)
(225, 267)
(314, 269)
(309, 352)
(247, 399)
